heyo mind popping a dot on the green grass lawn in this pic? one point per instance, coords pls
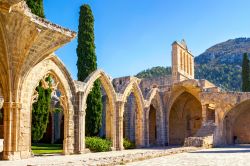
(46, 148)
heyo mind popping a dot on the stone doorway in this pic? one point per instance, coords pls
(185, 118)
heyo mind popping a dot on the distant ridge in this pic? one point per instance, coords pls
(220, 64)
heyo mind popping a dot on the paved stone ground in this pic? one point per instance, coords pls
(225, 156)
(104, 158)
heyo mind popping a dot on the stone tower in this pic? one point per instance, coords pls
(182, 62)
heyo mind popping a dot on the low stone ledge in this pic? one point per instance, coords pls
(126, 158)
(205, 142)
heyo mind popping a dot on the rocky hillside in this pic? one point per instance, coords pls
(228, 52)
(220, 64)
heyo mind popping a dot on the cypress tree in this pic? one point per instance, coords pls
(36, 7)
(40, 113)
(245, 73)
(86, 64)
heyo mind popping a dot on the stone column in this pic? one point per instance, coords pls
(119, 124)
(82, 115)
(204, 113)
(146, 124)
(11, 130)
(81, 123)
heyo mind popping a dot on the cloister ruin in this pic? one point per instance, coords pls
(171, 110)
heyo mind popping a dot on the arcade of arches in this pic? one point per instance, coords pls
(151, 112)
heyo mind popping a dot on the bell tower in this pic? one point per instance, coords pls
(182, 62)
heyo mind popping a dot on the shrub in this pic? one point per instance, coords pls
(96, 144)
(127, 144)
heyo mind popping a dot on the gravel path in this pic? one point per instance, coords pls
(104, 158)
(226, 156)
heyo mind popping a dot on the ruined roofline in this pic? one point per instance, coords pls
(179, 44)
(23, 9)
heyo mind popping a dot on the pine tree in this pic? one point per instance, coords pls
(245, 73)
(86, 64)
(36, 7)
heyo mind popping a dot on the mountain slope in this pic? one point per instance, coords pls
(228, 52)
(220, 64)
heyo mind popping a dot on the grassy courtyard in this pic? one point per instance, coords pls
(46, 148)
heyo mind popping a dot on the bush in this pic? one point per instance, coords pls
(96, 144)
(127, 144)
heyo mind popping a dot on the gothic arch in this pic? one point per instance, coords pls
(235, 124)
(133, 87)
(105, 81)
(154, 100)
(54, 67)
(185, 113)
(108, 87)
(189, 86)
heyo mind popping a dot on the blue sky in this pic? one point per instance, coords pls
(133, 35)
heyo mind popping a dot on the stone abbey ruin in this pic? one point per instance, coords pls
(173, 110)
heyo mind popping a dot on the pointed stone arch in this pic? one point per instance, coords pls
(184, 118)
(111, 113)
(134, 88)
(235, 124)
(154, 104)
(54, 67)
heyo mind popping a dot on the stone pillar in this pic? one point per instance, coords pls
(11, 131)
(82, 115)
(204, 113)
(81, 123)
(146, 124)
(119, 124)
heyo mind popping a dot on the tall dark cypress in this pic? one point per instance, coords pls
(40, 113)
(36, 7)
(245, 73)
(86, 64)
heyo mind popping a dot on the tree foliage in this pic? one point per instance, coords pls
(36, 7)
(154, 72)
(245, 73)
(225, 76)
(86, 64)
(40, 113)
